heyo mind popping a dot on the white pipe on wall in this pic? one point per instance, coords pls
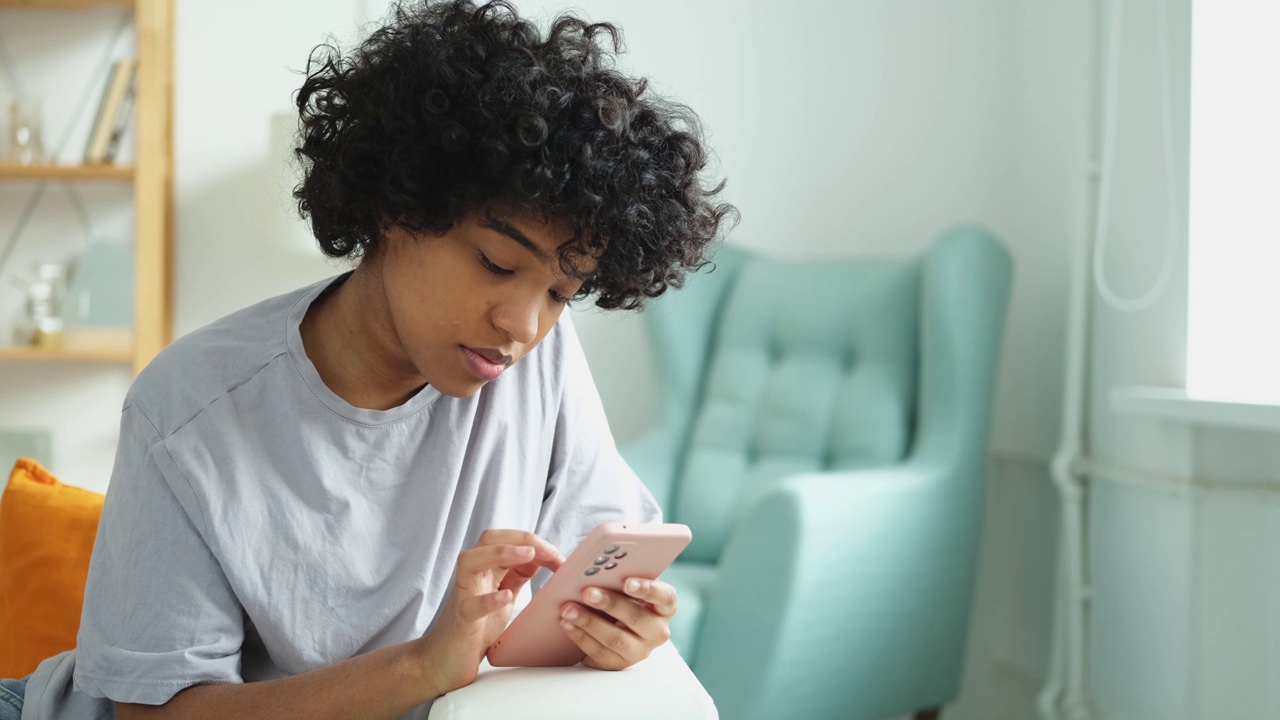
(1064, 695)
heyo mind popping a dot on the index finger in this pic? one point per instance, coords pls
(544, 553)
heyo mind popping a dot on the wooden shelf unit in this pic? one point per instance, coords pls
(151, 176)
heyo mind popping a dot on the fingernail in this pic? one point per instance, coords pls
(633, 585)
(570, 613)
(594, 596)
(566, 625)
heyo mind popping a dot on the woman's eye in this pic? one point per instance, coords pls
(488, 265)
(500, 271)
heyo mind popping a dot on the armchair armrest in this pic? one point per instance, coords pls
(660, 687)
(845, 585)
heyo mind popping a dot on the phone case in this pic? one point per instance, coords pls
(609, 555)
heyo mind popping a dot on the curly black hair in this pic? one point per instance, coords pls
(451, 109)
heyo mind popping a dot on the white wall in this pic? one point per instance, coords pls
(237, 240)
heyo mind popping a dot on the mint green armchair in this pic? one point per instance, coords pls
(823, 430)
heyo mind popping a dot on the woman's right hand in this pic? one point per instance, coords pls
(478, 608)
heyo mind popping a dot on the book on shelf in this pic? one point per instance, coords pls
(122, 121)
(114, 110)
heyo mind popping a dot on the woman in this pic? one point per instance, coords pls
(324, 505)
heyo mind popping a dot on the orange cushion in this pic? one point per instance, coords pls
(46, 536)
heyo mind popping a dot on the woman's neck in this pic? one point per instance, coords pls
(348, 335)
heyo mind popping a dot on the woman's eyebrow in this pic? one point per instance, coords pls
(514, 233)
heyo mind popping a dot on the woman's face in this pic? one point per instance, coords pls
(466, 305)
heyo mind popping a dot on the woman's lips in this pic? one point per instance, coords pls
(493, 356)
(482, 366)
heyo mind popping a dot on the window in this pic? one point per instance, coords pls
(1233, 333)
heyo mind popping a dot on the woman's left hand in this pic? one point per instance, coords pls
(636, 622)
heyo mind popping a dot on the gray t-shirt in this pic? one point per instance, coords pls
(258, 526)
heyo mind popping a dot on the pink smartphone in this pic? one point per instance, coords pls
(612, 553)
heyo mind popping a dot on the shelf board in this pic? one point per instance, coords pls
(111, 355)
(64, 4)
(14, 171)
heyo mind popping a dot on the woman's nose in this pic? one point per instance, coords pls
(518, 318)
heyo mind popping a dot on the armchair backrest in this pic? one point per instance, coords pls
(812, 368)
(773, 368)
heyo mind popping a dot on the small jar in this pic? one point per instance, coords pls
(45, 297)
(26, 141)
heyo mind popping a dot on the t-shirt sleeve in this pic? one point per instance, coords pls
(159, 614)
(588, 483)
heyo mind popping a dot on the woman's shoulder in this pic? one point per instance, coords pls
(196, 369)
